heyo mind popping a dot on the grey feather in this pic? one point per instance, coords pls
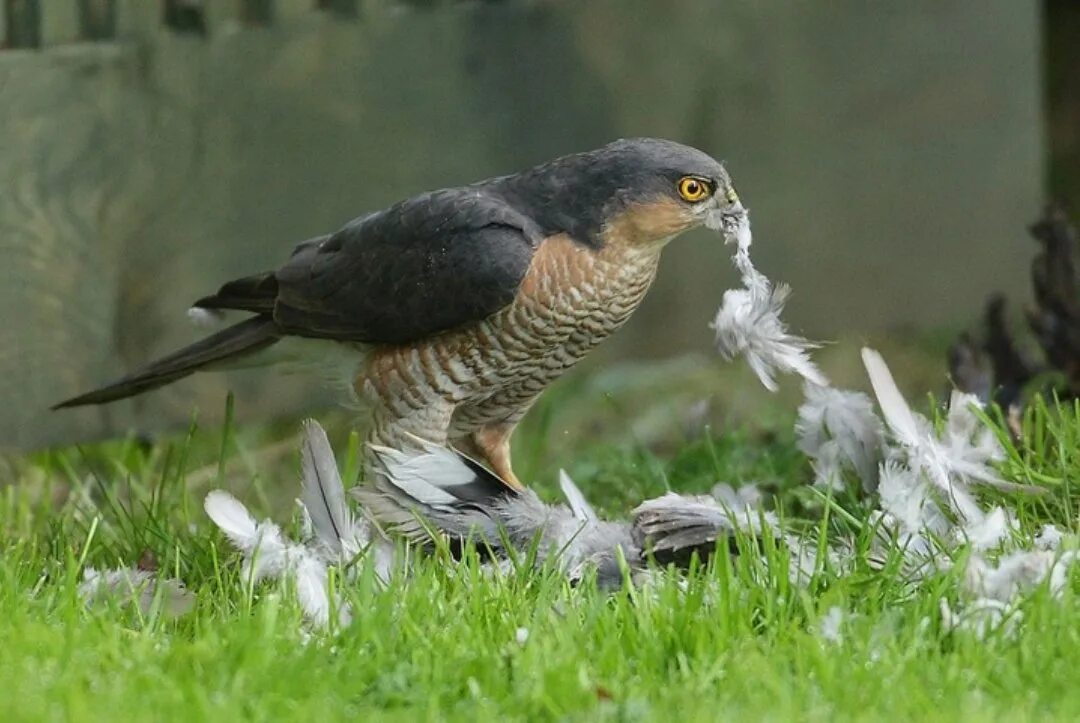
(838, 428)
(578, 504)
(322, 491)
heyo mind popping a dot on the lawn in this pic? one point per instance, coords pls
(730, 640)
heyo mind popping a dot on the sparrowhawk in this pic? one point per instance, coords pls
(463, 304)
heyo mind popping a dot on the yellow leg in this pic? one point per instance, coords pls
(492, 447)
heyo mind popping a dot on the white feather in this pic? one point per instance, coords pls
(960, 456)
(312, 589)
(1017, 573)
(907, 497)
(932, 472)
(578, 504)
(830, 626)
(233, 518)
(269, 556)
(838, 428)
(981, 617)
(987, 530)
(1049, 538)
(205, 318)
(336, 536)
(970, 445)
(748, 322)
(894, 407)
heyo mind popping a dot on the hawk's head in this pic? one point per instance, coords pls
(641, 191)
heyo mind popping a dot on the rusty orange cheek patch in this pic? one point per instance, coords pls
(650, 221)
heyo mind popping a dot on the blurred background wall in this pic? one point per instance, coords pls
(891, 155)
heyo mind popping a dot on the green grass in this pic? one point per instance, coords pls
(731, 641)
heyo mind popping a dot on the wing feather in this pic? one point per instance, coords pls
(424, 266)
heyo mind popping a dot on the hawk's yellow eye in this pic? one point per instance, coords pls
(693, 189)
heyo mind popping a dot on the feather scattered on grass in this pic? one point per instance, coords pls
(830, 626)
(981, 617)
(993, 591)
(747, 495)
(343, 535)
(322, 492)
(334, 536)
(927, 499)
(925, 490)
(1049, 538)
(268, 554)
(987, 530)
(962, 455)
(138, 587)
(578, 504)
(1018, 573)
(907, 498)
(838, 430)
(748, 322)
(953, 461)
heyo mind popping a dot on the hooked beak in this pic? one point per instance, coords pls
(726, 214)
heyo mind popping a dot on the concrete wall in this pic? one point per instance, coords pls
(890, 156)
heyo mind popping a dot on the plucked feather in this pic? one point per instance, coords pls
(748, 322)
(1018, 572)
(838, 428)
(138, 587)
(309, 575)
(898, 415)
(963, 454)
(232, 518)
(908, 498)
(322, 491)
(578, 504)
(268, 554)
